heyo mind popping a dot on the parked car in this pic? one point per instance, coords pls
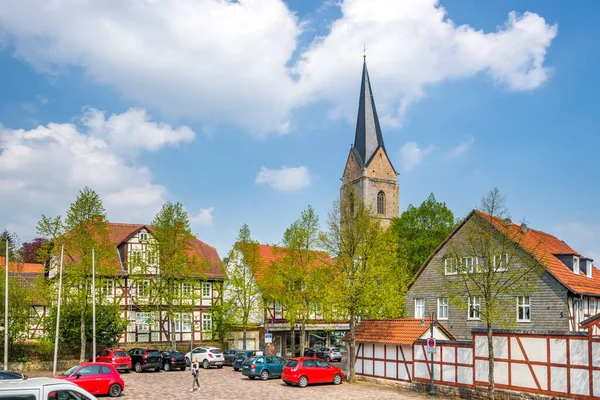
(303, 371)
(173, 360)
(5, 375)
(228, 356)
(43, 389)
(264, 367)
(144, 359)
(96, 378)
(241, 356)
(326, 353)
(206, 356)
(118, 358)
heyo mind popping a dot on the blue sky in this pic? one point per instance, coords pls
(245, 112)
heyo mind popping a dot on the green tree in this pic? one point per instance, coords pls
(176, 264)
(301, 273)
(19, 303)
(240, 284)
(84, 228)
(366, 282)
(109, 324)
(11, 239)
(419, 230)
(487, 262)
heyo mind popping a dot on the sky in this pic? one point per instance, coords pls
(244, 111)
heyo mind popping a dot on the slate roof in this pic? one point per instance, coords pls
(392, 331)
(543, 246)
(368, 137)
(120, 233)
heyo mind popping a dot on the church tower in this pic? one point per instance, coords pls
(368, 168)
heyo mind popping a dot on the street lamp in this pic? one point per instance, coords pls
(433, 323)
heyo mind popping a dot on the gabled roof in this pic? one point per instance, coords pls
(393, 331)
(368, 137)
(542, 246)
(269, 255)
(121, 233)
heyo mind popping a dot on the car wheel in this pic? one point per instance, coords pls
(138, 367)
(303, 381)
(251, 377)
(327, 359)
(114, 390)
(288, 383)
(187, 362)
(183, 369)
(219, 366)
(337, 379)
(205, 364)
(236, 369)
(264, 375)
(167, 367)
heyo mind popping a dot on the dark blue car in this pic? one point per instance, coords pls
(241, 356)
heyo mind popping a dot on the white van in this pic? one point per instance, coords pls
(42, 389)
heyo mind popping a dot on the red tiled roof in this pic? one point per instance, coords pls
(272, 254)
(392, 331)
(22, 267)
(120, 233)
(543, 247)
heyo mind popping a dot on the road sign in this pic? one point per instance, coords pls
(268, 338)
(431, 346)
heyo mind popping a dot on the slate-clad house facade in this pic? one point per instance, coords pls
(566, 293)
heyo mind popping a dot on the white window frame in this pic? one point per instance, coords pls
(443, 303)
(420, 307)
(504, 265)
(525, 305)
(150, 257)
(146, 285)
(206, 322)
(186, 289)
(204, 286)
(471, 268)
(135, 253)
(588, 268)
(448, 263)
(474, 309)
(108, 288)
(143, 326)
(576, 265)
(593, 304)
(143, 236)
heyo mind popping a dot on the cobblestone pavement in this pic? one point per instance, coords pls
(227, 384)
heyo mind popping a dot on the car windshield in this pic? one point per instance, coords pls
(153, 353)
(240, 355)
(250, 360)
(120, 354)
(215, 351)
(70, 371)
(291, 363)
(335, 350)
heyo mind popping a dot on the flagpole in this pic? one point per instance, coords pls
(93, 307)
(62, 250)
(6, 312)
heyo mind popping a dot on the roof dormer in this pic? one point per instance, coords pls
(571, 261)
(586, 266)
(576, 265)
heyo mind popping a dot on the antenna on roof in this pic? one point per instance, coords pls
(507, 221)
(524, 227)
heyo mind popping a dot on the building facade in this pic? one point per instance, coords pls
(369, 170)
(565, 293)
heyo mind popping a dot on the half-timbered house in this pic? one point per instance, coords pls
(565, 294)
(271, 316)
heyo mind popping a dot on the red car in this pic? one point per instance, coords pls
(118, 358)
(96, 378)
(303, 371)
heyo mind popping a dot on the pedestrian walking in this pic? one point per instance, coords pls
(195, 369)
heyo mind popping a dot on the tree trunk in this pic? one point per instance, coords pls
(244, 338)
(82, 353)
(490, 339)
(173, 338)
(352, 351)
(303, 337)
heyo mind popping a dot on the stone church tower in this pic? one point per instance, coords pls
(368, 168)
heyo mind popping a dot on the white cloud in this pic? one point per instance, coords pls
(221, 61)
(583, 237)
(411, 155)
(43, 168)
(204, 217)
(284, 179)
(412, 44)
(462, 148)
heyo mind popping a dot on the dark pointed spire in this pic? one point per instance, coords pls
(368, 136)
